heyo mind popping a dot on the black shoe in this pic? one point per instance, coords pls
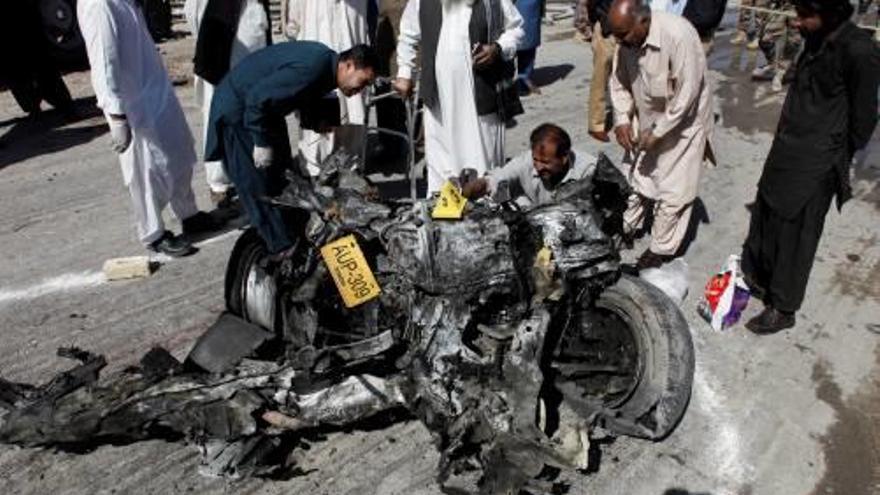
(225, 200)
(200, 223)
(172, 245)
(770, 321)
(650, 259)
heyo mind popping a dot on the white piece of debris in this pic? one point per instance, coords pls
(127, 268)
(671, 278)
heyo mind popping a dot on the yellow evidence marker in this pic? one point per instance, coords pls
(353, 277)
(450, 205)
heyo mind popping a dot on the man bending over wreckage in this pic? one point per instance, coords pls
(488, 329)
(247, 128)
(539, 173)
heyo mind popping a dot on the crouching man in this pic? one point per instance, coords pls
(538, 174)
(247, 127)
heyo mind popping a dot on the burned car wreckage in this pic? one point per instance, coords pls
(510, 333)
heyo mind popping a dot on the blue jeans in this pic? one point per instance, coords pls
(252, 184)
(525, 65)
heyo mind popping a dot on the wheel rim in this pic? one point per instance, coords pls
(59, 23)
(597, 359)
(259, 290)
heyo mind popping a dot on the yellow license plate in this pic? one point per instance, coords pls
(450, 205)
(353, 277)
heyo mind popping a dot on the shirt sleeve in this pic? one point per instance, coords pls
(264, 100)
(688, 69)
(101, 37)
(512, 36)
(621, 96)
(862, 79)
(408, 40)
(512, 172)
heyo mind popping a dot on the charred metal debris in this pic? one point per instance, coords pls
(510, 334)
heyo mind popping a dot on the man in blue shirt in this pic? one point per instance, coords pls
(247, 129)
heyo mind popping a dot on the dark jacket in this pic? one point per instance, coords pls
(597, 11)
(829, 113)
(705, 15)
(216, 36)
(268, 85)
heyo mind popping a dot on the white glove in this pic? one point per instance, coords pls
(262, 157)
(120, 134)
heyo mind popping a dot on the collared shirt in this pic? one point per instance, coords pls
(661, 87)
(268, 85)
(520, 172)
(663, 80)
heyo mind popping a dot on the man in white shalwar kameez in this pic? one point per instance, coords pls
(147, 125)
(339, 24)
(458, 134)
(251, 34)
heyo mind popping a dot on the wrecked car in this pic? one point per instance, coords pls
(510, 333)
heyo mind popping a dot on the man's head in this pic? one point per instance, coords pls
(819, 17)
(551, 152)
(356, 69)
(630, 21)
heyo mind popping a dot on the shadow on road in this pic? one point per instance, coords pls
(48, 132)
(547, 75)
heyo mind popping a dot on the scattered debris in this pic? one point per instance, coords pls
(671, 278)
(127, 268)
(509, 333)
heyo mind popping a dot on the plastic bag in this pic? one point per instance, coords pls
(671, 278)
(726, 296)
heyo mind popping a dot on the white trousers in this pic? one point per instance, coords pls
(157, 169)
(215, 174)
(314, 147)
(446, 151)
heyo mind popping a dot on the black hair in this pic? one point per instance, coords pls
(363, 57)
(552, 132)
(839, 10)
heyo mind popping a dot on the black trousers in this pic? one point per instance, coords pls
(43, 82)
(778, 253)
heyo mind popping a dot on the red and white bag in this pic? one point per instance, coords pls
(726, 296)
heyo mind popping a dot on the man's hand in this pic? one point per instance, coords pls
(474, 189)
(625, 137)
(485, 55)
(647, 140)
(120, 133)
(403, 86)
(262, 157)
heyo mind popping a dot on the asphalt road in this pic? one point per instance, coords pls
(796, 413)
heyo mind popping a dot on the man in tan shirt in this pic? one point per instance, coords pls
(663, 119)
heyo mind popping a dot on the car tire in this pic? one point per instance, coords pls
(61, 29)
(659, 390)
